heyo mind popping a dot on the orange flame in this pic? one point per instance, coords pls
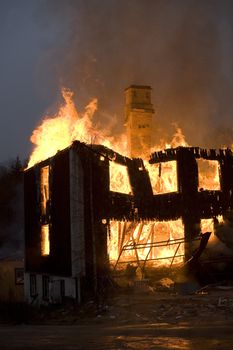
(57, 132)
(60, 130)
(137, 242)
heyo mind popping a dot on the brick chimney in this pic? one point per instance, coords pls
(138, 120)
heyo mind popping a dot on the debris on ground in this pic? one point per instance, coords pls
(162, 302)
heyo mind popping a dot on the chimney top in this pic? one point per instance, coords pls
(138, 87)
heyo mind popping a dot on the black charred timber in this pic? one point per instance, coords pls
(32, 220)
(171, 154)
(96, 200)
(60, 242)
(59, 260)
(109, 154)
(211, 203)
(100, 205)
(163, 156)
(141, 187)
(99, 177)
(192, 265)
(166, 207)
(226, 179)
(121, 207)
(187, 173)
(203, 243)
(88, 160)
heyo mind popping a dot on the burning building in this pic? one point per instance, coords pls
(88, 209)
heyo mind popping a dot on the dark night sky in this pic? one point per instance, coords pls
(182, 48)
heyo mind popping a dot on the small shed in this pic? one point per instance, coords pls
(11, 279)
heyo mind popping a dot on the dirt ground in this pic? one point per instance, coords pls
(140, 318)
(114, 337)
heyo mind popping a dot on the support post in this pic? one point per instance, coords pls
(187, 172)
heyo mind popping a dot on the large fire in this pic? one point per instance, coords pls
(58, 131)
(128, 241)
(157, 243)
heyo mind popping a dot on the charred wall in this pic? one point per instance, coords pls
(57, 216)
(194, 204)
(95, 185)
(100, 205)
(95, 188)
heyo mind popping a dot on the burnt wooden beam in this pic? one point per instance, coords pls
(187, 172)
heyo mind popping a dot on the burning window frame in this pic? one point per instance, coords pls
(119, 180)
(161, 183)
(45, 240)
(44, 190)
(208, 179)
(45, 198)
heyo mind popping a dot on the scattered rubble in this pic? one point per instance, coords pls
(146, 304)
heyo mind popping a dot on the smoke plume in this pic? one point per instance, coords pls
(182, 48)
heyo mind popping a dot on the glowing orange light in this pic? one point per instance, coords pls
(60, 130)
(45, 243)
(119, 178)
(44, 188)
(208, 174)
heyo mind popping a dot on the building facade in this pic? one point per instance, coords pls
(71, 207)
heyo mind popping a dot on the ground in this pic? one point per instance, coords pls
(143, 336)
(141, 318)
